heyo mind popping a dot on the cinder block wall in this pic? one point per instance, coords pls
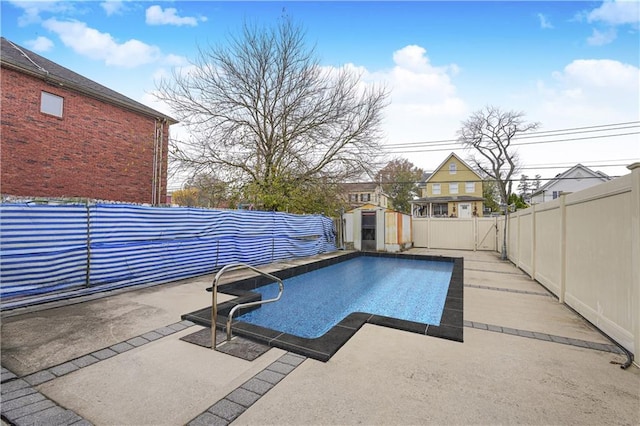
(96, 150)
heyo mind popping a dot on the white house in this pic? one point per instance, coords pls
(575, 179)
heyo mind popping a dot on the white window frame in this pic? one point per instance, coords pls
(470, 187)
(51, 104)
(453, 188)
(440, 209)
(435, 189)
(453, 169)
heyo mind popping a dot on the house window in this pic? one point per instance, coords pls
(353, 197)
(436, 189)
(453, 188)
(470, 187)
(365, 197)
(51, 104)
(440, 209)
(556, 194)
(452, 169)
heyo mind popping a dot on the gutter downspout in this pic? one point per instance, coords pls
(155, 163)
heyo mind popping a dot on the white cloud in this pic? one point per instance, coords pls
(544, 22)
(600, 38)
(112, 7)
(618, 12)
(584, 93)
(155, 15)
(40, 44)
(601, 73)
(592, 91)
(33, 9)
(175, 60)
(424, 101)
(610, 15)
(415, 80)
(93, 44)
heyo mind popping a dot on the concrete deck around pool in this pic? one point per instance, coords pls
(525, 359)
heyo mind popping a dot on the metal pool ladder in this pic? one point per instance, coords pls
(214, 302)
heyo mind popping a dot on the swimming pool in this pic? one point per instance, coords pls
(314, 302)
(322, 348)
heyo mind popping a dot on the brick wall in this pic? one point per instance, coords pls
(96, 150)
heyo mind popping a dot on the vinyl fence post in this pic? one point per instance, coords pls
(563, 248)
(534, 259)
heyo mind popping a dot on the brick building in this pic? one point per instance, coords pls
(63, 135)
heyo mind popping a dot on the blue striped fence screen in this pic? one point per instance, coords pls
(46, 250)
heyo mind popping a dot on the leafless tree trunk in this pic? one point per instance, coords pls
(490, 132)
(263, 112)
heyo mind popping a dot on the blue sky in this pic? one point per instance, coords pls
(567, 65)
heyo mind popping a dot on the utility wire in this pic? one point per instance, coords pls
(406, 151)
(545, 134)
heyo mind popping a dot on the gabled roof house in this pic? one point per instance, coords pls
(64, 135)
(360, 194)
(575, 179)
(453, 190)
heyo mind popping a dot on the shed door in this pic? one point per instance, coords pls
(369, 231)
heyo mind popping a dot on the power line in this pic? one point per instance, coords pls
(547, 133)
(514, 144)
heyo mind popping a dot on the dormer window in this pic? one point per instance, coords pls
(452, 169)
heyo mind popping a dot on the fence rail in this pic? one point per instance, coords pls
(46, 249)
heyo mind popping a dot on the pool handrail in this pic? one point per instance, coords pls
(214, 297)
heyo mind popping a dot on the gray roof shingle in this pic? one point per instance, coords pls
(20, 58)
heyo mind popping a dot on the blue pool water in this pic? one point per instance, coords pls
(312, 303)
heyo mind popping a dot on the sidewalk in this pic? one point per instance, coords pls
(119, 360)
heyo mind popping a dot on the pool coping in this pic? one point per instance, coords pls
(324, 347)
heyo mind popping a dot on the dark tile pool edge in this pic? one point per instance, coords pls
(324, 347)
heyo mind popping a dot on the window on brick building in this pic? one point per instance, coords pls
(51, 104)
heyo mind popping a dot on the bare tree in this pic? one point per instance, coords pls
(490, 132)
(263, 112)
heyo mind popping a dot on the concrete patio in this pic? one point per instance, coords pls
(119, 360)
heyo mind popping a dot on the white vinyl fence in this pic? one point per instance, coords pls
(585, 248)
(478, 233)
